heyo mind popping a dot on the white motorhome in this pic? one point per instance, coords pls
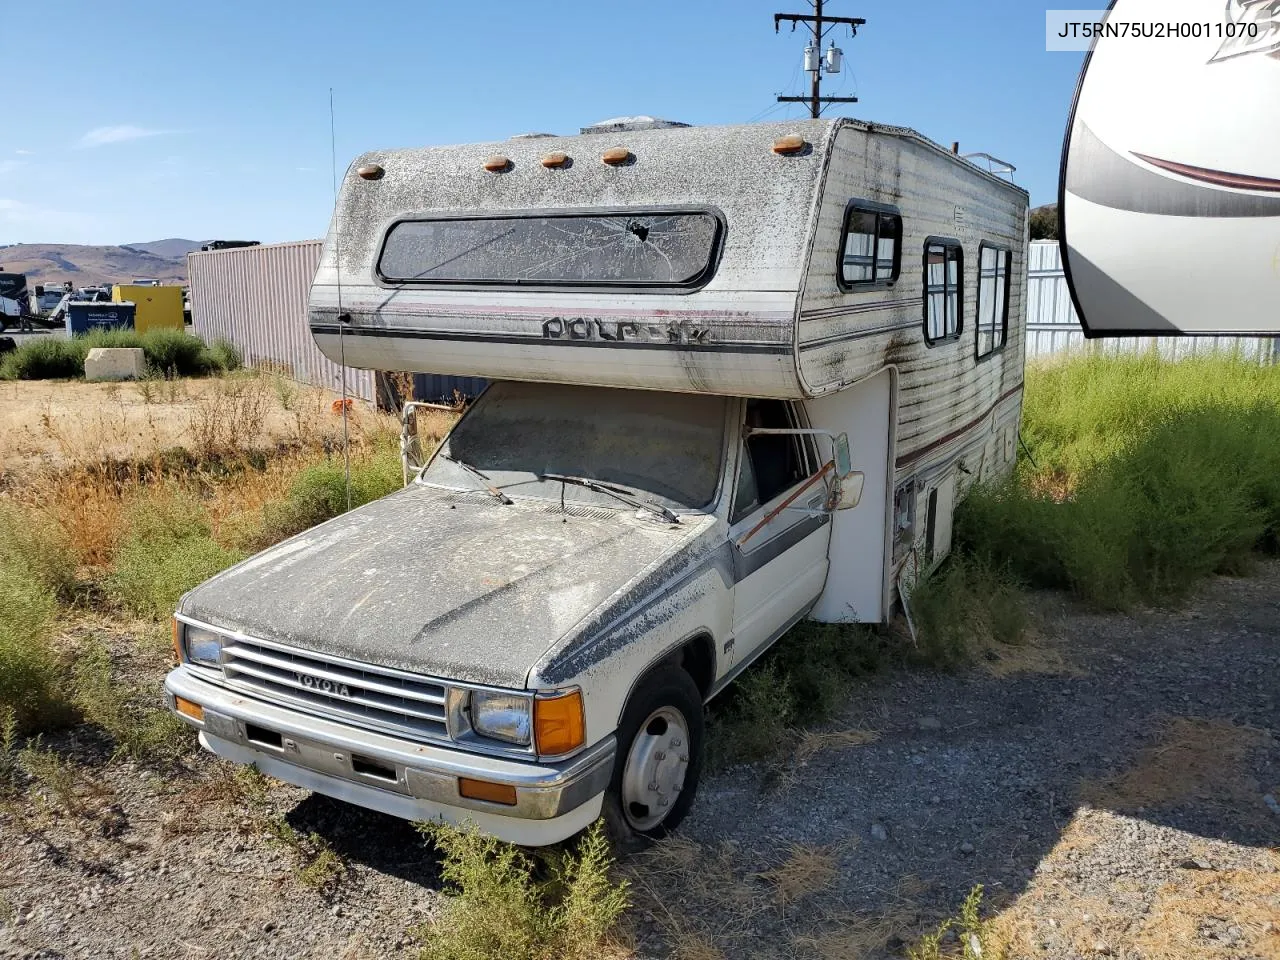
(740, 376)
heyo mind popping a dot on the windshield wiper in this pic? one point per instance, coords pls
(482, 477)
(614, 492)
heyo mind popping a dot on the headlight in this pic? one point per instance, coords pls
(203, 646)
(501, 716)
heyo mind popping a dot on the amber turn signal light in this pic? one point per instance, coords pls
(370, 171)
(553, 160)
(616, 156)
(177, 640)
(189, 709)
(789, 145)
(502, 793)
(497, 164)
(558, 724)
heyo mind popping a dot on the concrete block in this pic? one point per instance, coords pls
(115, 363)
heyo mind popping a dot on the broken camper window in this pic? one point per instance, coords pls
(993, 298)
(869, 250)
(943, 290)
(632, 249)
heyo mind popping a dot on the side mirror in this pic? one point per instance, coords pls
(848, 490)
(844, 464)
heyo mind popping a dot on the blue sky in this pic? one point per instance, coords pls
(142, 120)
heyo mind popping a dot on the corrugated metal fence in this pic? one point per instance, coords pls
(256, 297)
(1053, 328)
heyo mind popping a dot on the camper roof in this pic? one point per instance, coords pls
(450, 259)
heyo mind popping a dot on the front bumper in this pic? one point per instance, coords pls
(403, 778)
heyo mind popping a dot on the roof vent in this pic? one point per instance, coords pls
(623, 124)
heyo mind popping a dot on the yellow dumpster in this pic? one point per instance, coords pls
(158, 307)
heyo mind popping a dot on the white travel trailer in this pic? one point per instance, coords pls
(741, 375)
(1170, 189)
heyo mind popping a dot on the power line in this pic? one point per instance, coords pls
(814, 57)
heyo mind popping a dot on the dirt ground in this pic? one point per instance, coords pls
(1122, 804)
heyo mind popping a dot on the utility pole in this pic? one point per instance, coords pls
(813, 55)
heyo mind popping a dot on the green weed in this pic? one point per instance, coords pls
(520, 906)
(167, 551)
(143, 732)
(317, 865)
(969, 929)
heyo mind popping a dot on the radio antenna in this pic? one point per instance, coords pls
(342, 317)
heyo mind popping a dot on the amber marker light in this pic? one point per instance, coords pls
(789, 145)
(497, 164)
(558, 724)
(189, 709)
(502, 793)
(370, 171)
(616, 156)
(555, 160)
(177, 640)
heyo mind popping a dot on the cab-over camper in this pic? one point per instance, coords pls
(740, 376)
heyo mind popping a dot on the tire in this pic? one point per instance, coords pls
(659, 743)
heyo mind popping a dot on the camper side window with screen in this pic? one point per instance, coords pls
(869, 249)
(993, 298)
(943, 290)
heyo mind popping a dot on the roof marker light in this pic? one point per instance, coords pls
(617, 156)
(497, 164)
(789, 145)
(554, 160)
(369, 171)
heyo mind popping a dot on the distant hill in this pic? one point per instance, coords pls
(173, 248)
(87, 266)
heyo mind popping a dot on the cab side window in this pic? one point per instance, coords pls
(777, 461)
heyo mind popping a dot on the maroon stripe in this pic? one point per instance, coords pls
(914, 455)
(1218, 177)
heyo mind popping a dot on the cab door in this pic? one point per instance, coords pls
(779, 530)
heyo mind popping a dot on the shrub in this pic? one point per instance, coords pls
(141, 730)
(225, 356)
(966, 605)
(1193, 492)
(500, 907)
(31, 672)
(34, 568)
(167, 551)
(803, 679)
(319, 493)
(45, 358)
(166, 351)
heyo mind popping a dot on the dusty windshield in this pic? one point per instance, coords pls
(662, 447)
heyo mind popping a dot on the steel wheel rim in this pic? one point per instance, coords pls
(655, 769)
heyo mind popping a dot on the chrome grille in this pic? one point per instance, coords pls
(366, 695)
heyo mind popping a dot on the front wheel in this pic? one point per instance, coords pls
(659, 760)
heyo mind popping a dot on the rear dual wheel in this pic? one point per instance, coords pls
(655, 777)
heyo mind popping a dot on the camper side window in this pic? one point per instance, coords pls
(869, 246)
(943, 290)
(993, 298)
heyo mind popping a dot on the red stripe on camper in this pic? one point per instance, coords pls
(1220, 178)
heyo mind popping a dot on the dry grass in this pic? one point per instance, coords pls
(1189, 761)
(813, 742)
(1214, 902)
(46, 424)
(806, 871)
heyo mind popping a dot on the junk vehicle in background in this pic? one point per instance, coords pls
(739, 376)
(14, 299)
